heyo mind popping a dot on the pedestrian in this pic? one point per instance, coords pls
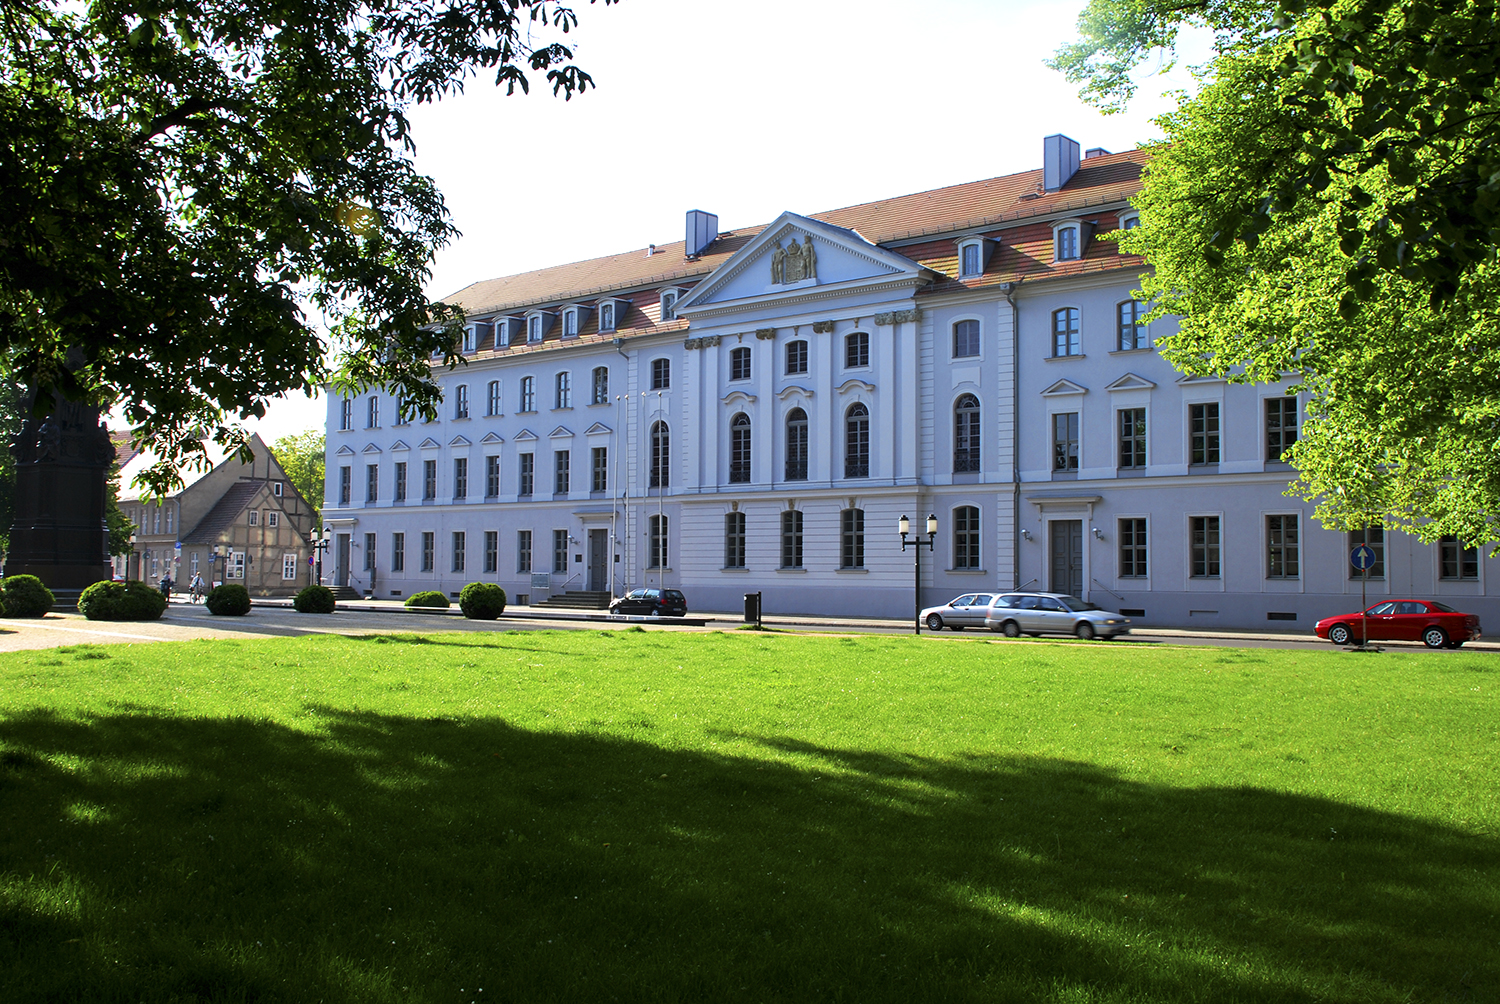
(166, 586)
(195, 588)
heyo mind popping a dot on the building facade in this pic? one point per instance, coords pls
(753, 411)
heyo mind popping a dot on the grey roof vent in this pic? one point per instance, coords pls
(1059, 161)
(1097, 151)
(702, 230)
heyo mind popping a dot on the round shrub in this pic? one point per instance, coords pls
(482, 601)
(25, 596)
(428, 598)
(228, 600)
(314, 600)
(121, 601)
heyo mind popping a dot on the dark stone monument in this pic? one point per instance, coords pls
(62, 469)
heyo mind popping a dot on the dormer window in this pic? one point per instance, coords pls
(669, 304)
(973, 255)
(606, 316)
(534, 328)
(1067, 242)
(1129, 221)
(471, 338)
(570, 323)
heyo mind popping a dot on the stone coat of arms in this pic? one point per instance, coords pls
(795, 262)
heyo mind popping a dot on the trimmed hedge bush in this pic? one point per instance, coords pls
(121, 601)
(428, 598)
(482, 601)
(25, 596)
(314, 600)
(228, 600)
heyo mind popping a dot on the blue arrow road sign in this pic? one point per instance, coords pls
(1362, 557)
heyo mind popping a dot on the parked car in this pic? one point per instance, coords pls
(1052, 613)
(651, 603)
(1435, 624)
(958, 613)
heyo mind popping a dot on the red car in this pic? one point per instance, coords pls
(1436, 625)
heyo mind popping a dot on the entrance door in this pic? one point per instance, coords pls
(341, 561)
(598, 560)
(1067, 556)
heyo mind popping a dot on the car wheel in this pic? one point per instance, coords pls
(1339, 634)
(934, 622)
(1011, 629)
(1084, 631)
(1435, 637)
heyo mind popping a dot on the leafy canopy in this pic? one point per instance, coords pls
(301, 456)
(213, 202)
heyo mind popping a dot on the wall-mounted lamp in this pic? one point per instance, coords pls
(1025, 533)
(572, 539)
(1098, 534)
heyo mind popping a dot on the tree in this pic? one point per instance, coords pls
(194, 188)
(1327, 206)
(301, 456)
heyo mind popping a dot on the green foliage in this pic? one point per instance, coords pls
(314, 600)
(228, 600)
(482, 601)
(663, 817)
(193, 192)
(26, 596)
(301, 456)
(121, 601)
(427, 598)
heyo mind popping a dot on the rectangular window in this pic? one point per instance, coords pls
(606, 316)
(429, 479)
(461, 401)
(288, 567)
(791, 539)
(523, 551)
(734, 540)
(460, 477)
(372, 412)
(534, 328)
(796, 445)
(561, 464)
(491, 477)
(346, 415)
(739, 364)
(169, 520)
(564, 391)
(346, 475)
(970, 260)
(398, 552)
(1375, 537)
(1066, 340)
(1204, 546)
(570, 323)
(796, 357)
(273, 518)
(1281, 547)
(856, 349)
(1281, 426)
(599, 469)
(369, 551)
(276, 488)
(1067, 243)
(528, 473)
(528, 394)
(658, 529)
(400, 495)
(428, 563)
(601, 385)
(1132, 437)
(402, 417)
(852, 538)
(1132, 548)
(1203, 425)
(1132, 333)
(661, 374)
(491, 551)
(237, 565)
(492, 400)
(459, 557)
(965, 339)
(254, 518)
(966, 537)
(1457, 561)
(372, 482)
(1065, 441)
(559, 550)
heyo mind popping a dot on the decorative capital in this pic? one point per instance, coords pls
(764, 333)
(914, 314)
(885, 318)
(822, 327)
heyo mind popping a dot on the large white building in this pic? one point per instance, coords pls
(752, 411)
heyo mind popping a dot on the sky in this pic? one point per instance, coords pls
(745, 111)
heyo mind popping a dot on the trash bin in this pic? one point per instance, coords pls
(752, 608)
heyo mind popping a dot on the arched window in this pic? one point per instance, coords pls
(796, 445)
(492, 405)
(606, 316)
(739, 448)
(1067, 242)
(966, 434)
(660, 455)
(966, 537)
(857, 442)
(669, 305)
(372, 412)
(1132, 331)
(1065, 337)
(601, 385)
(528, 393)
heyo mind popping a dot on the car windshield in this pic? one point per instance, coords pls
(1441, 608)
(1075, 604)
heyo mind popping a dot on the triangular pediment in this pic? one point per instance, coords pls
(1063, 388)
(429, 444)
(490, 437)
(399, 446)
(344, 451)
(525, 436)
(561, 432)
(598, 429)
(459, 441)
(1131, 381)
(371, 448)
(1199, 379)
(825, 258)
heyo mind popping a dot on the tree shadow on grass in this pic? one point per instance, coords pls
(145, 857)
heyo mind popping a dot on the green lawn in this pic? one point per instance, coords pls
(644, 816)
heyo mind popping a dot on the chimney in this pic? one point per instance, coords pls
(1093, 152)
(1059, 161)
(702, 230)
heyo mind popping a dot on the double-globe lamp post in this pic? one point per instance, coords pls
(904, 527)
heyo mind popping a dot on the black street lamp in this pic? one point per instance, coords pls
(320, 545)
(904, 527)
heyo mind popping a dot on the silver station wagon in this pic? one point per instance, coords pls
(1052, 613)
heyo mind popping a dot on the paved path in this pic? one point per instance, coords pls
(275, 619)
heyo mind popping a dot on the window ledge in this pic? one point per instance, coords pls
(965, 571)
(735, 568)
(461, 418)
(796, 571)
(566, 407)
(853, 571)
(597, 404)
(1053, 359)
(1131, 352)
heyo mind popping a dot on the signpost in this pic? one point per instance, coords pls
(1362, 558)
